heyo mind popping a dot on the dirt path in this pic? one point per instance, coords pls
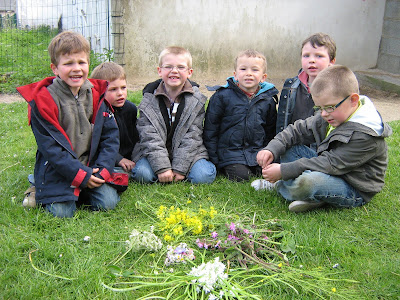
(388, 104)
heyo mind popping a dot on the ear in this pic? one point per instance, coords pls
(190, 72)
(159, 71)
(234, 76)
(54, 69)
(264, 77)
(332, 62)
(354, 98)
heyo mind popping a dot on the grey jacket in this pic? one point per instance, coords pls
(355, 151)
(187, 141)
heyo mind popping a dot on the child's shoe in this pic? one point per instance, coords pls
(262, 184)
(29, 199)
(302, 205)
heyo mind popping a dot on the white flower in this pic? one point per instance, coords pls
(179, 254)
(146, 240)
(86, 238)
(210, 275)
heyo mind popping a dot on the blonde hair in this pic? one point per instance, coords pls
(176, 51)
(321, 39)
(252, 53)
(67, 42)
(338, 80)
(109, 71)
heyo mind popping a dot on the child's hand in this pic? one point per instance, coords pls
(167, 176)
(264, 158)
(95, 181)
(272, 172)
(178, 177)
(127, 164)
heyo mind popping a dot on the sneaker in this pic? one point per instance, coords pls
(301, 206)
(29, 199)
(262, 184)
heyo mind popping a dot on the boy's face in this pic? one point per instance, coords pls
(314, 60)
(72, 68)
(174, 71)
(117, 92)
(249, 73)
(340, 113)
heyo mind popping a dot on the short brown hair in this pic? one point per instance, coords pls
(67, 42)
(338, 80)
(109, 71)
(322, 39)
(176, 51)
(252, 53)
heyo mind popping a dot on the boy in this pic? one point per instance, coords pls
(240, 118)
(124, 111)
(170, 126)
(318, 52)
(75, 131)
(349, 166)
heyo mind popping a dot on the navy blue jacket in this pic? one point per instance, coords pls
(59, 175)
(235, 127)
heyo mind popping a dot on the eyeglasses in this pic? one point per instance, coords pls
(331, 108)
(169, 68)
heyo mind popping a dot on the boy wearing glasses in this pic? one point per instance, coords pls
(170, 126)
(348, 167)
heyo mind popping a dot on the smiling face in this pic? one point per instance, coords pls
(73, 69)
(174, 71)
(117, 92)
(250, 71)
(314, 60)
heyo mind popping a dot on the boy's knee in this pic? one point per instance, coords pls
(143, 173)
(104, 198)
(202, 172)
(62, 209)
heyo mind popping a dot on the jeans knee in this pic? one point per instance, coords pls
(203, 171)
(143, 173)
(62, 209)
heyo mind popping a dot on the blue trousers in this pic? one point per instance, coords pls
(202, 171)
(316, 186)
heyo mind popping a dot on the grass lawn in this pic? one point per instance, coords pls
(43, 257)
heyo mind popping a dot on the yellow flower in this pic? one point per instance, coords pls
(189, 201)
(334, 290)
(280, 265)
(168, 238)
(213, 212)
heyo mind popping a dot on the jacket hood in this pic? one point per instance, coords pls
(264, 86)
(368, 116)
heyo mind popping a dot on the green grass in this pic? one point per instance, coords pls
(24, 57)
(363, 241)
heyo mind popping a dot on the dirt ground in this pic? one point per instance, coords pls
(388, 104)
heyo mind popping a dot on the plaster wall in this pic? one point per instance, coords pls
(216, 30)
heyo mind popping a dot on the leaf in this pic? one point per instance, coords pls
(288, 244)
(114, 270)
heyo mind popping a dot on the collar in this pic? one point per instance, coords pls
(303, 77)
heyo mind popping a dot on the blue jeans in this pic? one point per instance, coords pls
(105, 197)
(316, 186)
(202, 171)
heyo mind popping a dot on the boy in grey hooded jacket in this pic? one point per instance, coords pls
(348, 167)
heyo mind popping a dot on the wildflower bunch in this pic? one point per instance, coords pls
(145, 240)
(176, 222)
(246, 244)
(210, 276)
(180, 254)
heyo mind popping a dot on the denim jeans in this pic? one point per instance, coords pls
(104, 197)
(316, 186)
(202, 171)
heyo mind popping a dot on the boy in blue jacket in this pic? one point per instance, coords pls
(75, 131)
(240, 118)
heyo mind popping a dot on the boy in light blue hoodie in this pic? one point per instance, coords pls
(241, 118)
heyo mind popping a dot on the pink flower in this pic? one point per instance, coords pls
(214, 235)
(246, 231)
(232, 227)
(199, 244)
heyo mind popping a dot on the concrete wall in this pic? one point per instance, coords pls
(216, 30)
(389, 54)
